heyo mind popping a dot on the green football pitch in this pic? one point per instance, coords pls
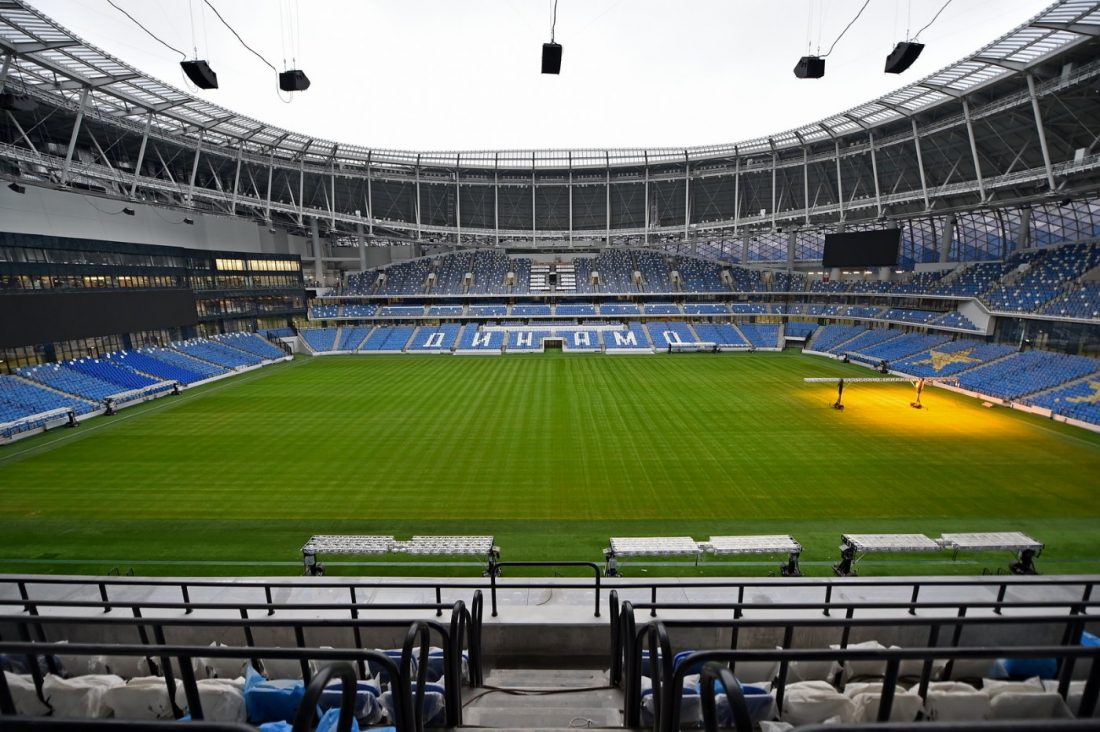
(552, 454)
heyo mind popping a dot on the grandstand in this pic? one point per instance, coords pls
(262, 472)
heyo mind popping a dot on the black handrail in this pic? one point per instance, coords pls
(621, 638)
(54, 724)
(493, 577)
(451, 643)
(716, 672)
(472, 621)
(1001, 583)
(418, 635)
(307, 708)
(399, 685)
(892, 658)
(633, 639)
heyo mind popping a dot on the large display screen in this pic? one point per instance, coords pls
(862, 248)
(31, 318)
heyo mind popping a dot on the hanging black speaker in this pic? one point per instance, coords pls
(293, 80)
(903, 56)
(810, 67)
(200, 74)
(551, 58)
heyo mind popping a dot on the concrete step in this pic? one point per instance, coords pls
(527, 699)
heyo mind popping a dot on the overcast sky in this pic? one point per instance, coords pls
(464, 74)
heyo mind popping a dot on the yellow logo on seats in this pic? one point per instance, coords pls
(939, 359)
(1093, 398)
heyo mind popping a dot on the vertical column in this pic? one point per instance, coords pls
(607, 206)
(301, 189)
(806, 182)
(745, 248)
(646, 195)
(362, 246)
(947, 233)
(318, 251)
(534, 223)
(874, 174)
(416, 207)
(1039, 130)
(141, 153)
(458, 202)
(237, 179)
(194, 170)
(736, 192)
(792, 236)
(370, 198)
(571, 197)
(270, 175)
(774, 165)
(496, 207)
(839, 184)
(75, 134)
(687, 198)
(1024, 238)
(974, 149)
(920, 164)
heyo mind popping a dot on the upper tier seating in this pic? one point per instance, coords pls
(1080, 301)
(323, 311)
(449, 273)
(706, 308)
(751, 308)
(526, 310)
(654, 271)
(698, 275)
(354, 310)
(575, 308)
(911, 316)
(489, 269)
(620, 308)
(445, 311)
(661, 308)
(616, 269)
(1046, 276)
(488, 310)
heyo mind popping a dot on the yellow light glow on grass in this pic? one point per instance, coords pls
(885, 407)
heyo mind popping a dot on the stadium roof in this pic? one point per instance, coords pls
(51, 61)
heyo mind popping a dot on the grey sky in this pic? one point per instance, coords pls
(463, 74)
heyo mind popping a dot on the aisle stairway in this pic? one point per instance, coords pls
(544, 698)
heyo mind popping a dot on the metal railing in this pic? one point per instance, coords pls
(527, 585)
(464, 624)
(407, 709)
(668, 679)
(626, 659)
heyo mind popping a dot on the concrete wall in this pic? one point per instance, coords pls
(72, 214)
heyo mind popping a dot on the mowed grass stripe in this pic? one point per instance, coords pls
(551, 453)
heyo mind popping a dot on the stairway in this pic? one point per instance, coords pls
(541, 698)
